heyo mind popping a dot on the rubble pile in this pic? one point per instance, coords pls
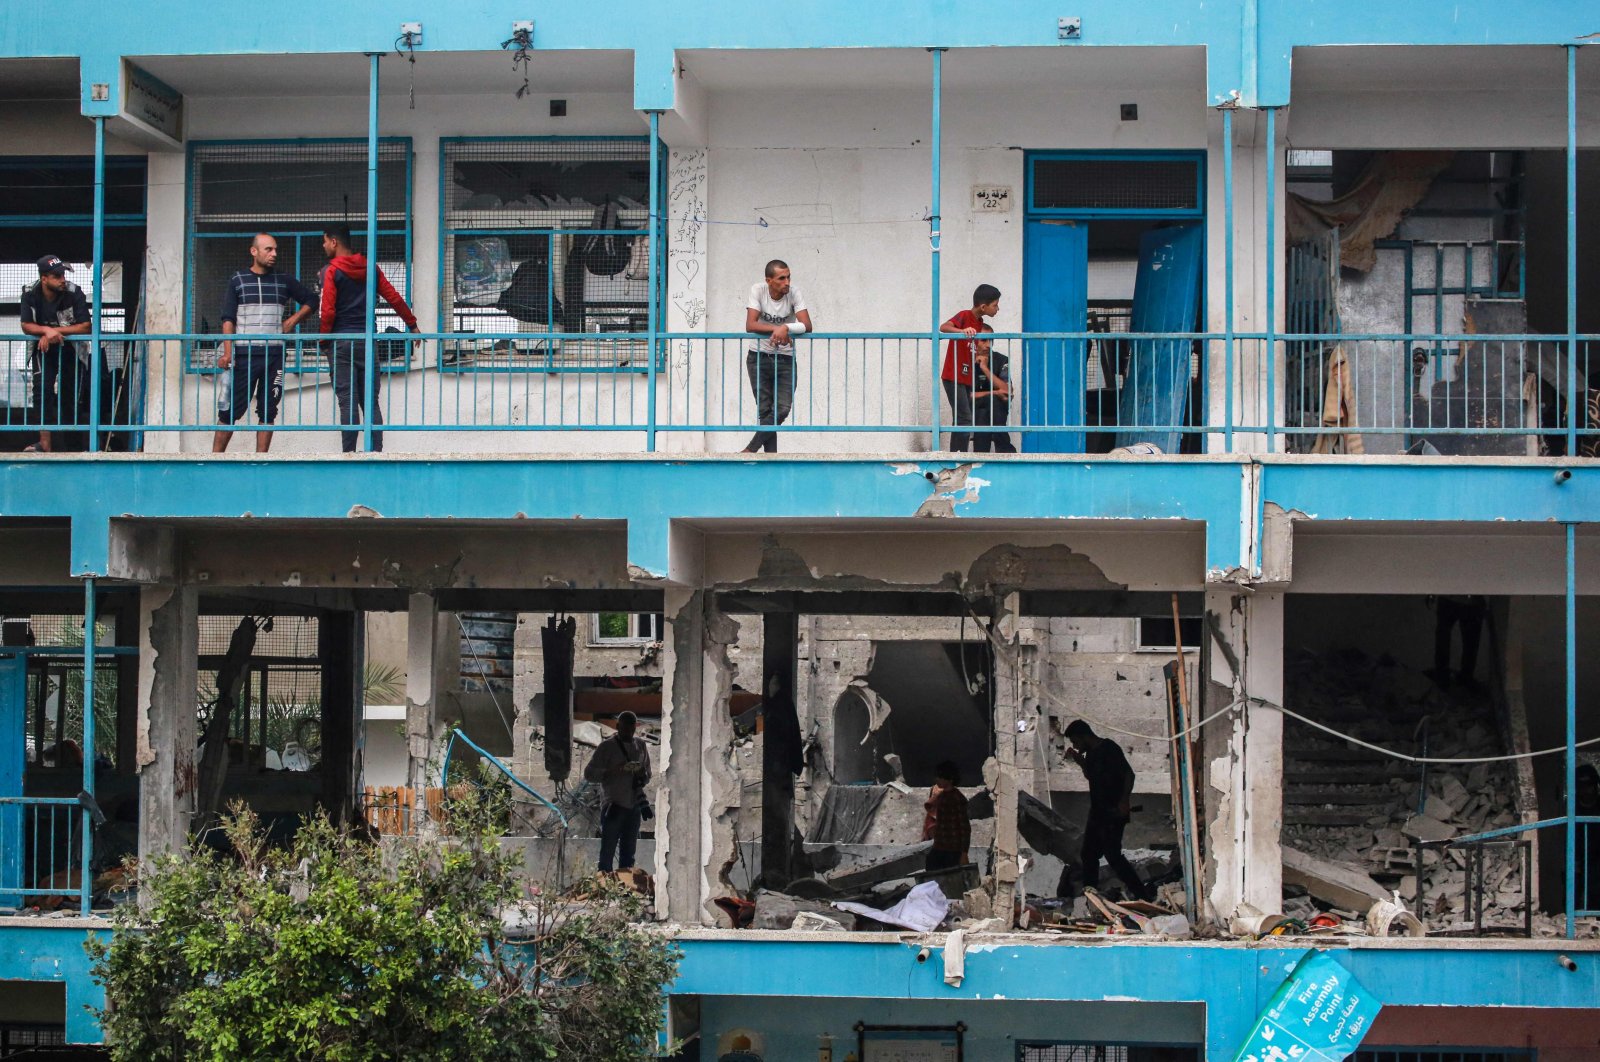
(1353, 817)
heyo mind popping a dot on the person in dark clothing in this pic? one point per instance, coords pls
(52, 309)
(1466, 612)
(1110, 794)
(621, 765)
(946, 822)
(991, 396)
(344, 309)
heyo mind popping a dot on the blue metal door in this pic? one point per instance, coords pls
(13, 703)
(1166, 298)
(1055, 298)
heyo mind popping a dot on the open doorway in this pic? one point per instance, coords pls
(1113, 244)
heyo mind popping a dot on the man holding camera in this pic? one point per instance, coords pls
(621, 765)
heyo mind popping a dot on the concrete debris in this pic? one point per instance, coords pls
(1427, 828)
(1365, 812)
(813, 922)
(1341, 884)
(1438, 809)
(774, 910)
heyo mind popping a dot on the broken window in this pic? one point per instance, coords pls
(546, 237)
(1155, 633)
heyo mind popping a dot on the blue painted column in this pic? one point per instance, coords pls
(369, 383)
(97, 271)
(1272, 281)
(1573, 401)
(86, 874)
(933, 240)
(1572, 726)
(653, 326)
(1227, 282)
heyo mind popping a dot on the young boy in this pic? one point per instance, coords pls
(957, 372)
(991, 396)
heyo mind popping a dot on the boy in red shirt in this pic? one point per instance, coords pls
(957, 372)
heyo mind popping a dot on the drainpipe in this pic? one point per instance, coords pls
(85, 885)
(933, 239)
(97, 269)
(369, 384)
(653, 327)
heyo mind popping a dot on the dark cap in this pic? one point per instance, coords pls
(51, 264)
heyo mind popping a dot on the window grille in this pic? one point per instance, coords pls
(1040, 1051)
(293, 190)
(1110, 185)
(18, 1036)
(280, 700)
(546, 238)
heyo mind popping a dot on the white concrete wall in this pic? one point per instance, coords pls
(842, 180)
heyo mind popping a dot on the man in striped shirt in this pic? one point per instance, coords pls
(256, 304)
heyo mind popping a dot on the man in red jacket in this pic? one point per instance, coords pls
(344, 309)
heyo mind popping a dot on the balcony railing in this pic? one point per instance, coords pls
(42, 851)
(1449, 393)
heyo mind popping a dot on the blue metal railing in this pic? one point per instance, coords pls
(1418, 385)
(44, 846)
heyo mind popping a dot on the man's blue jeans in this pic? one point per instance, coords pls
(619, 825)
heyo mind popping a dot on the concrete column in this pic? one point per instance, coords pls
(1250, 214)
(167, 730)
(1000, 774)
(1241, 769)
(680, 859)
(341, 652)
(127, 633)
(424, 636)
(779, 646)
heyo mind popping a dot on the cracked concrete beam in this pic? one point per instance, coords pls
(381, 555)
(950, 487)
(1002, 569)
(143, 553)
(1277, 546)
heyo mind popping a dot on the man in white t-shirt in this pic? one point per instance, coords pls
(777, 314)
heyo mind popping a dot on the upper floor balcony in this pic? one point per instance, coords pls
(1391, 268)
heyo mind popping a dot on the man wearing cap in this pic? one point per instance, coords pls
(256, 304)
(52, 309)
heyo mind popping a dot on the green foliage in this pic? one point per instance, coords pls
(613, 624)
(341, 948)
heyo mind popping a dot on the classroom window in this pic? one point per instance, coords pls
(545, 258)
(293, 190)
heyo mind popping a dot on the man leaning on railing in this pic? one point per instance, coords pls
(777, 314)
(52, 309)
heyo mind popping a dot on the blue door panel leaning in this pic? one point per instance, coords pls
(1166, 298)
